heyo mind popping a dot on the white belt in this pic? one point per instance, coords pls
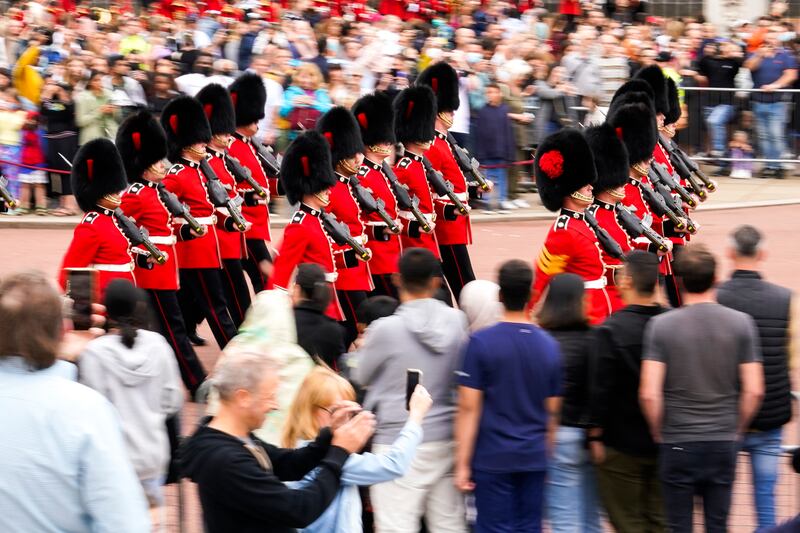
(463, 196)
(408, 215)
(127, 267)
(224, 211)
(378, 223)
(595, 283)
(360, 239)
(208, 221)
(331, 277)
(164, 239)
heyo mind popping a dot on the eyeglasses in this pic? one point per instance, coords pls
(329, 411)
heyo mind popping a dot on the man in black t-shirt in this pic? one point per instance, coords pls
(719, 71)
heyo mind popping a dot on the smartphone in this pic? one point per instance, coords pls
(81, 287)
(413, 378)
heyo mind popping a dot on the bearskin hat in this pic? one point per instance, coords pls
(374, 115)
(249, 97)
(415, 114)
(185, 124)
(657, 81)
(443, 79)
(306, 167)
(674, 113)
(340, 129)
(97, 170)
(141, 142)
(563, 164)
(610, 157)
(631, 90)
(635, 122)
(218, 107)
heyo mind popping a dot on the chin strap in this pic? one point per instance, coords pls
(447, 121)
(582, 197)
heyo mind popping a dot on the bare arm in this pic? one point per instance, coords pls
(786, 79)
(651, 395)
(468, 415)
(553, 405)
(751, 377)
(754, 61)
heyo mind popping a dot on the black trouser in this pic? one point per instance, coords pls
(170, 320)
(203, 287)
(256, 252)
(670, 281)
(383, 286)
(707, 469)
(237, 293)
(350, 300)
(456, 266)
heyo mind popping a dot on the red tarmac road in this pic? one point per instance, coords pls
(493, 244)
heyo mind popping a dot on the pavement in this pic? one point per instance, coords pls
(730, 194)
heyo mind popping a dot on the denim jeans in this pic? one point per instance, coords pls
(771, 130)
(508, 502)
(765, 452)
(717, 118)
(571, 489)
(499, 177)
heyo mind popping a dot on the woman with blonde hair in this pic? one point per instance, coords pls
(305, 100)
(323, 392)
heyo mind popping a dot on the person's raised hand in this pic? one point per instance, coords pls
(419, 404)
(353, 435)
(73, 341)
(342, 412)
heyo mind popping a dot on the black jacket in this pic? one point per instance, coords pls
(319, 334)
(239, 496)
(615, 404)
(578, 360)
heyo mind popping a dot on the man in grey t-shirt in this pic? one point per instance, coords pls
(701, 383)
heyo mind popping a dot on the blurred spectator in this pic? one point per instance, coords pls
(424, 334)
(742, 151)
(774, 310)
(240, 477)
(201, 70)
(625, 456)
(773, 68)
(61, 135)
(372, 309)
(582, 69)
(95, 115)
(12, 119)
(73, 475)
(126, 93)
(479, 300)
(554, 102)
(267, 128)
(613, 69)
(699, 402)
(319, 335)
(305, 100)
(312, 409)
(571, 491)
(136, 371)
(502, 435)
(719, 70)
(163, 91)
(514, 97)
(495, 146)
(32, 179)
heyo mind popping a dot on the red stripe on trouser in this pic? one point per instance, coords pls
(234, 292)
(386, 285)
(350, 305)
(458, 267)
(211, 306)
(178, 352)
(257, 263)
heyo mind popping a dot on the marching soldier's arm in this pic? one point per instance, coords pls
(81, 251)
(293, 247)
(552, 260)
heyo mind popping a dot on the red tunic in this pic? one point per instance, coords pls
(571, 246)
(458, 231)
(345, 208)
(606, 217)
(242, 149)
(660, 156)
(411, 173)
(99, 243)
(231, 243)
(142, 203)
(385, 253)
(189, 185)
(634, 198)
(305, 241)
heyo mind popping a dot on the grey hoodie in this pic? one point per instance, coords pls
(144, 385)
(423, 334)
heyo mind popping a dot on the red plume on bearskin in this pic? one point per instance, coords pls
(443, 79)
(341, 129)
(563, 164)
(96, 171)
(249, 96)
(610, 156)
(415, 114)
(185, 124)
(218, 108)
(141, 142)
(377, 124)
(306, 167)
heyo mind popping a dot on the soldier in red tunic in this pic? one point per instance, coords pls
(143, 146)
(98, 242)
(307, 177)
(414, 116)
(199, 261)
(453, 231)
(374, 115)
(564, 175)
(249, 97)
(218, 108)
(340, 129)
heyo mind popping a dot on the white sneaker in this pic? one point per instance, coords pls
(741, 174)
(507, 206)
(522, 204)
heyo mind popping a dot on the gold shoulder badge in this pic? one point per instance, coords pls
(551, 264)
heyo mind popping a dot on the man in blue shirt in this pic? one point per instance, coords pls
(63, 462)
(508, 402)
(773, 68)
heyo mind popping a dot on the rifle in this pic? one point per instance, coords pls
(674, 206)
(268, 160)
(242, 174)
(219, 196)
(178, 208)
(468, 164)
(611, 246)
(442, 187)
(138, 236)
(635, 227)
(404, 200)
(340, 233)
(370, 205)
(5, 194)
(658, 173)
(659, 206)
(687, 161)
(683, 172)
